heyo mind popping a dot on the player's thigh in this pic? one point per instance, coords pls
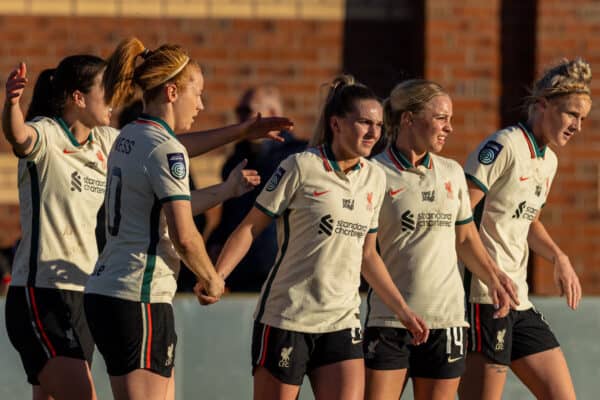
(384, 384)
(546, 374)
(483, 379)
(344, 380)
(435, 389)
(268, 387)
(140, 384)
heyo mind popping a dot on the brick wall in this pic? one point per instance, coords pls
(484, 52)
(572, 215)
(462, 53)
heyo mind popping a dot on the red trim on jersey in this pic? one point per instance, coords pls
(149, 336)
(325, 159)
(531, 149)
(263, 356)
(394, 160)
(148, 122)
(38, 323)
(478, 327)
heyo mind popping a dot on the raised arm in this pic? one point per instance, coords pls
(239, 182)
(471, 251)
(374, 271)
(565, 278)
(201, 142)
(190, 247)
(21, 136)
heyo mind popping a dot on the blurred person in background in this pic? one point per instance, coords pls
(510, 175)
(264, 157)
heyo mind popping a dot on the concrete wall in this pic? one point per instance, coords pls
(213, 351)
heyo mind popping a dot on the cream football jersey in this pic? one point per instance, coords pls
(417, 238)
(323, 216)
(61, 188)
(515, 174)
(147, 167)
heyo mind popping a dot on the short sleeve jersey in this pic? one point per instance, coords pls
(147, 167)
(323, 216)
(61, 188)
(416, 237)
(515, 174)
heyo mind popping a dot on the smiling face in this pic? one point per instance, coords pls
(561, 117)
(431, 126)
(355, 134)
(189, 100)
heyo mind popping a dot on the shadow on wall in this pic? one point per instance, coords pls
(384, 43)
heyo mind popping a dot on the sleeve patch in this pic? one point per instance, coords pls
(177, 165)
(489, 152)
(275, 179)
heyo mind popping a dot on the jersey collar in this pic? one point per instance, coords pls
(534, 149)
(329, 162)
(70, 135)
(155, 121)
(403, 164)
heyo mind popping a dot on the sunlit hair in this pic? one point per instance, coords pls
(56, 85)
(342, 93)
(411, 95)
(566, 77)
(168, 63)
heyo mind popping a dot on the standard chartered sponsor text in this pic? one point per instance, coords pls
(429, 219)
(350, 229)
(93, 185)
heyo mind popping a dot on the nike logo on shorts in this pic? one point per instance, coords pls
(453, 359)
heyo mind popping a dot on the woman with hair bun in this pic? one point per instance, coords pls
(326, 201)
(510, 175)
(425, 226)
(149, 220)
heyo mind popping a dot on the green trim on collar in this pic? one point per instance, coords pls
(426, 162)
(330, 157)
(70, 135)
(159, 121)
(539, 151)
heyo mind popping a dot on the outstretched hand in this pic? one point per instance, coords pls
(15, 83)
(270, 128)
(241, 181)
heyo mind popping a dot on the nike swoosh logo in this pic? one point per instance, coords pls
(317, 194)
(356, 341)
(395, 192)
(523, 178)
(453, 359)
(69, 151)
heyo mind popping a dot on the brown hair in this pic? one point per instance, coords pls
(342, 92)
(168, 63)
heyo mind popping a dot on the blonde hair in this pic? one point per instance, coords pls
(410, 95)
(566, 77)
(342, 92)
(168, 63)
